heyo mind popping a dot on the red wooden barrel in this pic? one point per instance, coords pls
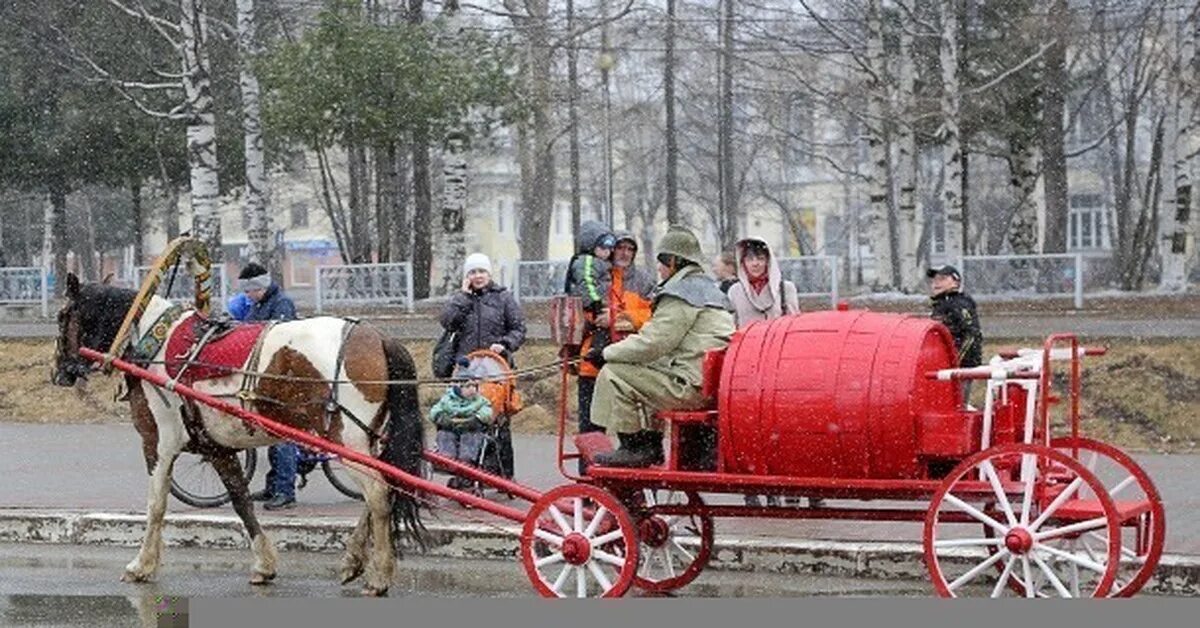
(833, 394)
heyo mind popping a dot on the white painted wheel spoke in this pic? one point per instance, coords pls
(580, 582)
(1075, 579)
(598, 574)
(562, 578)
(990, 472)
(560, 520)
(551, 559)
(975, 512)
(670, 562)
(605, 539)
(1004, 576)
(1091, 464)
(1030, 591)
(1082, 526)
(591, 529)
(649, 497)
(1057, 503)
(982, 541)
(611, 559)
(977, 569)
(1068, 556)
(1053, 579)
(1029, 477)
(548, 537)
(578, 527)
(1122, 486)
(679, 548)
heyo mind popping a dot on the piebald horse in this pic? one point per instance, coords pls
(306, 353)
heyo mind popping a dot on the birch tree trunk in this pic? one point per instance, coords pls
(1023, 232)
(201, 127)
(911, 278)
(952, 157)
(876, 218)
(1176, 216)
(454, 212)
(257, 185)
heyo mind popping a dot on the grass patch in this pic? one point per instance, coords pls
(1143, 395)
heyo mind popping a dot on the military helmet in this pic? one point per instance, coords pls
(681, 243)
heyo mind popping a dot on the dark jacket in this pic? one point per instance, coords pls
(587, 276)
(957, 312)
(484, 317)
(274, 306)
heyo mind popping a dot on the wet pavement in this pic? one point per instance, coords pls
(71, 585)
(99, 468)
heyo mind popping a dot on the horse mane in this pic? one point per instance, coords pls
(102, 309)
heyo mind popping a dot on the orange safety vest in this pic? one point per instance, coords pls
(621, 302)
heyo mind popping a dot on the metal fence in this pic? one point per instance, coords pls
(540, 279)
(25, 285)
(1025, 276)
(814, 275)
(365, 284)
(183, 288)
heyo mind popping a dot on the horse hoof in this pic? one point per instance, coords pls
(374, 592)
(134, 578)
(350, 574)
(261, 578)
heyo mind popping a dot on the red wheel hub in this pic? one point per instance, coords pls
(1018, 541)
(576, 549)
(654, 532)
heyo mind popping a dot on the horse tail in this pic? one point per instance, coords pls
(405, 441)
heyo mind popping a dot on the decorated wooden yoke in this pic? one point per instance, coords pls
(200, 266)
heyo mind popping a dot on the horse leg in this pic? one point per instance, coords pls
(381, 566)
(265, 555)
(354, 559)
(143, 567)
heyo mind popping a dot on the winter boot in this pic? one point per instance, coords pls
(637, 450)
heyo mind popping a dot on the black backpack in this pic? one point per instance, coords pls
(443, 354)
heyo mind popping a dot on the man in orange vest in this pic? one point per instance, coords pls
(628, 310)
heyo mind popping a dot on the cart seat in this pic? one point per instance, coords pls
(1087, 509)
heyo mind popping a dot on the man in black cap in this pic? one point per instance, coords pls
(956, 311)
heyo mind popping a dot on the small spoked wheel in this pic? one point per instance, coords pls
(579, 541)
(195, 482)
(1035, 503)
(674, 548)
(1142, 517)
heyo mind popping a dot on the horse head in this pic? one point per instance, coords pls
(90, 317)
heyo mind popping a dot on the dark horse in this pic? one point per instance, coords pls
(380, 419)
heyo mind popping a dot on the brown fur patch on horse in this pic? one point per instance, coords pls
(143, 422)
(298, 404)
(366, 362)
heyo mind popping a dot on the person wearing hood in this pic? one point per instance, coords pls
(589, 277)
(486, 316)
(761, 292)
(659, 368)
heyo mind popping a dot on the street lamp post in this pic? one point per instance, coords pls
(606, 63)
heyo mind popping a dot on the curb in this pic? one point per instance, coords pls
(1176, 575)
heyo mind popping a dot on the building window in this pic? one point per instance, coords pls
(1087, 228)
(245, 219)
(500, 216)
(299, 217)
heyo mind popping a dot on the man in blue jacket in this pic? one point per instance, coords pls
(269, 302)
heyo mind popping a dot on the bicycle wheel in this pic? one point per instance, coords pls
(196, 483)
(341, 477)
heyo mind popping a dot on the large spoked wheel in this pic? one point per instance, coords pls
(1035, 503)
(341, 477)
(664, 562)
(579, 541)
(195, 482)
(1139, 506)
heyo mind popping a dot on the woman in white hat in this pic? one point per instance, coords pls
(484, 315)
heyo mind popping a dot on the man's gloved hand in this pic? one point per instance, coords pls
(595, 355)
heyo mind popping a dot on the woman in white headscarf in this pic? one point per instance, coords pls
(761, 292)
